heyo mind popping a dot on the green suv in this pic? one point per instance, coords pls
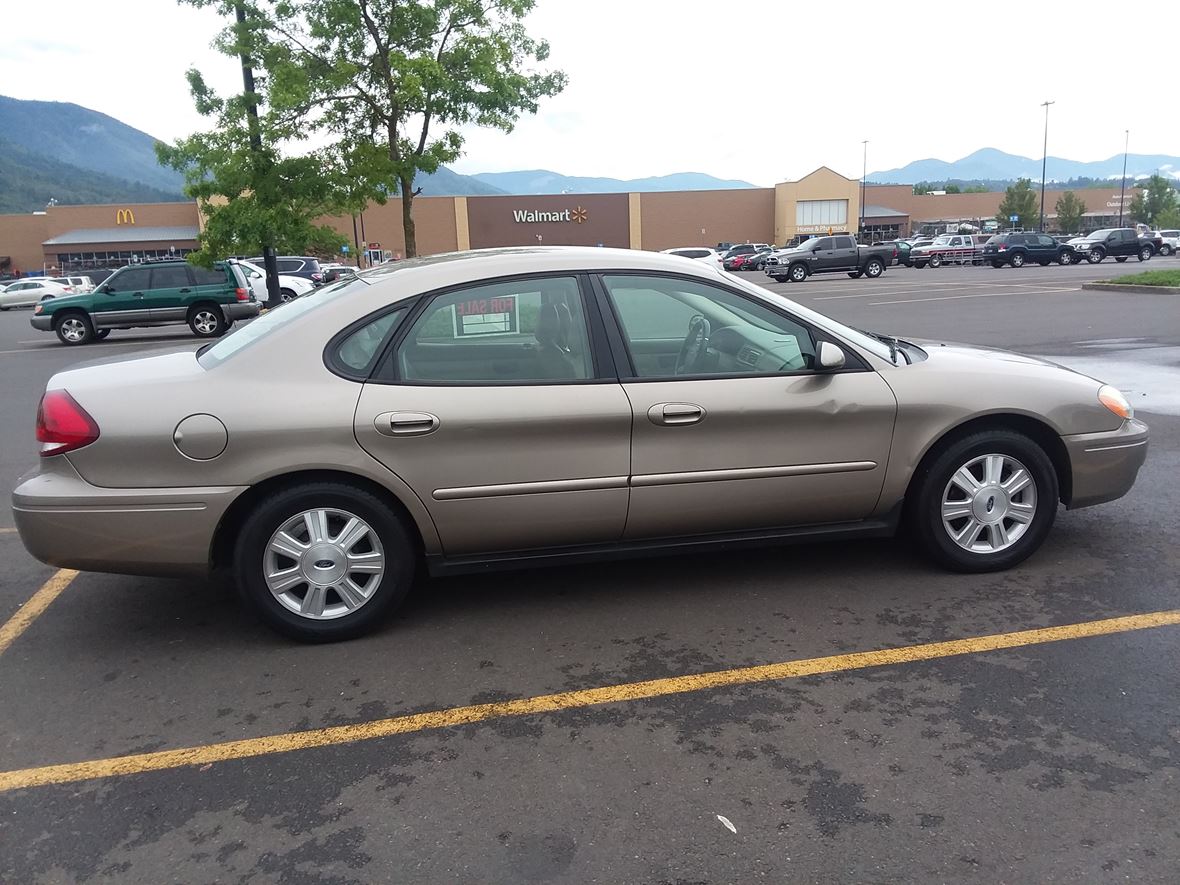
(158, 293)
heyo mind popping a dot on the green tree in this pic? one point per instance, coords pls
(1152, 199)
(386, 83)
(975, 189)
(1019, 200)
(250, 197)
(1138, 211)
(1169, 219)
(1070, 208)
(953, 189)
(923, 187)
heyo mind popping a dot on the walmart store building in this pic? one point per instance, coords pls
(66, 239)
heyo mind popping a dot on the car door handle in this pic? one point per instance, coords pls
(406, 423)
(675, 414)
(185, 291)
(136, 294)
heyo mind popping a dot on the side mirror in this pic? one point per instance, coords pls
(106, 290)
(829, 356)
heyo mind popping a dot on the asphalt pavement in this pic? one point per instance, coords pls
(1048, 761)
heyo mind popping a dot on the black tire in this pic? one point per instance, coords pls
(3, 308)
(1017, 259)
(1145, 253)
(1121, 258)
(206, 321)
(797, 273)
(855, 274)
(924, 503)
(874, 268)
(1043, 263)
(272, 512)
(1095, 256)
(1165, 250)
(919, 264)
(997, 264)
(287, 294)
(779, 278)
(73, 328)
(100, 334)
(1064, 258)
(936, 261)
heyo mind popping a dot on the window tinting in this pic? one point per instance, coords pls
(511, 332)
(359, 350)
(173, 277)
(289, 265)
(206, 277)
(134, 280)
(824, 244)
(691, 253)
(683, 327)
(845, 243)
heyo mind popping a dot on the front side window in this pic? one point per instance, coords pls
(684, 327)
(513, 332)
(823, 245)
(133, 280)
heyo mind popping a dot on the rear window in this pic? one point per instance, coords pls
(272, 321)
(691, 253)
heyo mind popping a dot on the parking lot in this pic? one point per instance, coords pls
(618, 722)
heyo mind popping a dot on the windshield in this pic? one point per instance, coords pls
(941, 241)
(245, 335)
(808, 244)
(1101, 234)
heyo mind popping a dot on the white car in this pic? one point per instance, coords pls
(289, 287)
(79, 285)
(698, 253)
(1171, 242)
(24, 293)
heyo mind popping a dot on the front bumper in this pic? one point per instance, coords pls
(42, 323)
(67, 522)
(241, 310)
(1104, 465)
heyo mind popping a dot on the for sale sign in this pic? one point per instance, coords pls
(487, 316)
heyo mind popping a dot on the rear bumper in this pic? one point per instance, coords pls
(1104, 465)
(42, 323)
(67, 522)
(240, 310)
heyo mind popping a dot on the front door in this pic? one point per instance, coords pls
(743, 433)
(123, 300)
(824, 256)
(494, 412)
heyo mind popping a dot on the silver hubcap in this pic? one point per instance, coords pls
(205, 322)
(286, 295)
(323, 564)
(989, 503)
(73, 329)
(798, 274)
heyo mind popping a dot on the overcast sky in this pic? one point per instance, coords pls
(762, 91)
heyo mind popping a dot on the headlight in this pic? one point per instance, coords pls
(1113, 399)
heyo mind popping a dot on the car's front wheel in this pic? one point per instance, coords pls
(1064, 258)
(798, 273)
(207, 321)
(985, 502)
(323, 561)
(1165, 250)
(74, 328)
(1095, 256)
(1145, 253)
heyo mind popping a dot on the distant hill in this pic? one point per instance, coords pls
(990, 164)
(447, 183)
(28, 181)
(542, 181)
(86, 139)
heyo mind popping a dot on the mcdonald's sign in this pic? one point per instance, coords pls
(124, 216)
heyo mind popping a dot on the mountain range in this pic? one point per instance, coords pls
(990, 164)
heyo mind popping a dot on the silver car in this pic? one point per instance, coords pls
(548, 405)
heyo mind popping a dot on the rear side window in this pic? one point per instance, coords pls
(1016, 240)
(174, 277)
(845, 243)
(209, 277)
(289, 265)
(359, 350)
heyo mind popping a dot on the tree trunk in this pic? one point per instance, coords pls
(407, 189)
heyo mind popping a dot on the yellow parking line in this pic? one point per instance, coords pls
(610, 694)
(27, 613)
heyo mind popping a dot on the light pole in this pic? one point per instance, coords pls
(864, 170)
(1123, 188)
(1044, 161)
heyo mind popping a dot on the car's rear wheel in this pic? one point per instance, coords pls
(207, 321)
(323, 561)
(855, 274)
(985, 502)
(874, 268)
(287, 294)
(1043, 263)
(1121, 258)
(1017, 259)
(919, 264)
(74, 328)
(997, 264)
(797, 273)
(101, 333)
(1145, 253)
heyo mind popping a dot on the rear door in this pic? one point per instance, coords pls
(497, 410)
(845, 255)
(123, 300)
(209, 284)
(170, 284)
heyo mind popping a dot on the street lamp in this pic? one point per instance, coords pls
(1123, 188)
(1044, 160)
(864, 170)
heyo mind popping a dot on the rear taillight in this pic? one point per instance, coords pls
(318, 277)
(62, 424)
(1002, 247)
(242, 294)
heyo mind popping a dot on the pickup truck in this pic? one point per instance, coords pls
(946, 248)
(1118, 243)
(838, 254)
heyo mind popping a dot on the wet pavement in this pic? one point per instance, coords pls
(1049, 763)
